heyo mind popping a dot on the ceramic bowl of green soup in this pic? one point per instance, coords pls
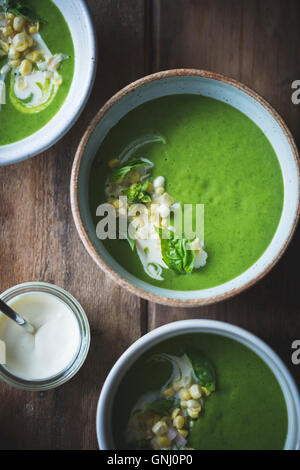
(191, 149)
(199, 384)
(47, 68)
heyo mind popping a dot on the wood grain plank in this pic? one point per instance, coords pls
(257, 43)
(39, 242)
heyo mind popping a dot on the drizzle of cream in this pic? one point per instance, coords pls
(36, 81)
(33, 89)
(149, 252)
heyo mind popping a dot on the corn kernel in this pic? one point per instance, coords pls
(192, 413)
(184, 394)
(160, 428)
(25, 67)
(33, 29)
(159, 181)
(160, 191)
(166, 199)
(195, 391)
(13, 53)
(20, 42)
(164, 211)
(18, 23)
(179, 422)
(168, 392)
(7, 31)
(57, 79)
(14, 63)
(35, 56)
(183, 433)
(4, 46)
(164, 441)
(175, 413)
(113, 163)
(9, 16)
(194, 404)
(21, 83)
(29, 41)
(206, 391)
(183, 404)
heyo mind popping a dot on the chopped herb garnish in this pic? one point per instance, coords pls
(138, 193)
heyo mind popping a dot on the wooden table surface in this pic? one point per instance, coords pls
(256, 42)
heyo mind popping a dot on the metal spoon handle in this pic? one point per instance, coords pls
(9, 312)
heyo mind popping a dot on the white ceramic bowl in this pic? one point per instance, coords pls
(197, 82)
(79, 21)
(287, 384)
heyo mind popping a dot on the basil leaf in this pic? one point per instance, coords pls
(203, 369)
(120, 173)
(175, 253)
(160, 406)
(138, 193)
(19, 9)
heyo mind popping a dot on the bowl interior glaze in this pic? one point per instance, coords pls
(198, 83)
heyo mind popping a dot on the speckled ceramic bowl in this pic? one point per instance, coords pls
(192, 82)
(148, 341)
(79, 21)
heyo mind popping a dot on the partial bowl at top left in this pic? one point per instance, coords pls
(48, 56)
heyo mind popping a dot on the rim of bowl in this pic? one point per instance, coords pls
(160, 299)
(89, 83)
(162, 333)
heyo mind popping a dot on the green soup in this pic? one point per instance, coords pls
(247, 410)
(16, 125)
(216, 156)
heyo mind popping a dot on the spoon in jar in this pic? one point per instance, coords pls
(10, 313)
